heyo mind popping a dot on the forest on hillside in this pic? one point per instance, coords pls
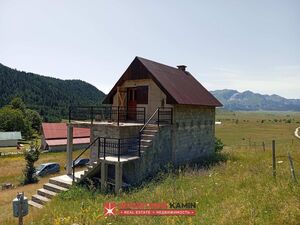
(50, 97)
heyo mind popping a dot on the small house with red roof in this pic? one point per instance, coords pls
(54, 137)
(154, 115)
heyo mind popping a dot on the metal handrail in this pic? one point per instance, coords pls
(148, 121)
(158, 120)
(88, 147)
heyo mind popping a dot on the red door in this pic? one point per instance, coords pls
(131, 103)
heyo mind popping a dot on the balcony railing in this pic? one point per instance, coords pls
(114, 147)
(118, 147)
(107, 113)
(162, 115)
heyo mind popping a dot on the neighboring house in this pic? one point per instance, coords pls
(54, 137)
(10, 139)
(154, 115)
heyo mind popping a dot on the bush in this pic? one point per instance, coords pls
(31, 156)
(218, 145)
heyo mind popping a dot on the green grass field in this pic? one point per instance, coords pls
(239, 191)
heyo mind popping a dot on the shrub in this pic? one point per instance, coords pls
(218, 145)
(31, 156)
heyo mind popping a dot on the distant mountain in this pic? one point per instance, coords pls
(249, 101)
(49, 96)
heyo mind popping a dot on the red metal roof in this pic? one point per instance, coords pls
(179, 86)
(59, 131)
(56, 142)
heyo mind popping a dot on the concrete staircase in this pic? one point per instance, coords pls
(91, 170)
(147, 135)
(50, 190)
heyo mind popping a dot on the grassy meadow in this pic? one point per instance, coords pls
(238, 191)
(11, 171)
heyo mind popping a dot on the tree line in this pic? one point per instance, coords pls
(50, 97)
(17, 117)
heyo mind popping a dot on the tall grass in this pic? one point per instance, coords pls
(240, 190)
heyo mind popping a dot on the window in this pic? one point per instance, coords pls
(141, 95)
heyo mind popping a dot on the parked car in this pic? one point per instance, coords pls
(80, 162)
(47, 168)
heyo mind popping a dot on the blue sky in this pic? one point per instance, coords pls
(244, 45)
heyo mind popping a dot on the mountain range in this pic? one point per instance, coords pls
(250, 101)
(51, 97)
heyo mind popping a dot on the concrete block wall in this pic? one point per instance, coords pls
(193, 132)
(152, 160)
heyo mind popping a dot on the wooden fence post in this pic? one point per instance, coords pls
(292, 167)
(264, 147)
(274, 158)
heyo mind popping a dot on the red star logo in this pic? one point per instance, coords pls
(109, 208)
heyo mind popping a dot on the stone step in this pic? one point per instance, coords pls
(54, 187)
(59, 182)
(152, 127)
(144, 141)
(151, 132)
(46, 193)
(40, 199)
(34, 204)
(148, 136)
(144, 146)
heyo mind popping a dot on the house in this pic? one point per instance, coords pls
(54, 137)
(154, 115)
(10, 139)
